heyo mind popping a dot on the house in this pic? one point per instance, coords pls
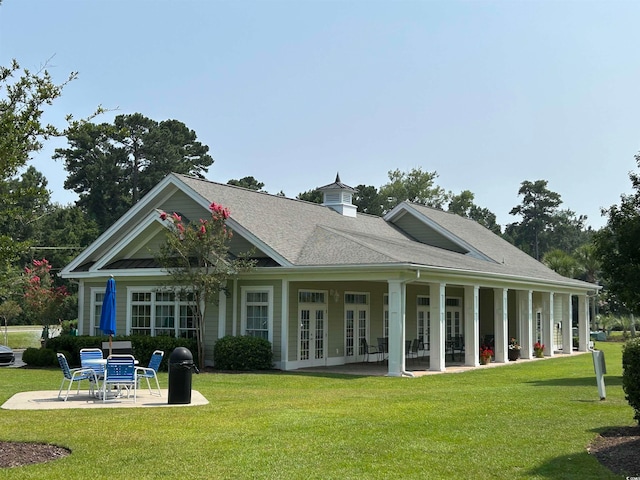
(329, 277)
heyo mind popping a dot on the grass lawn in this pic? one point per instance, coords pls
(525, 420)
(22, 337)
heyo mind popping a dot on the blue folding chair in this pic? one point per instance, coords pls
(92, 358)
(120, 372)
(152, 371)
(74, 375)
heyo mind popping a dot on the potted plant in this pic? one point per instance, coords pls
(514, 350)
(538, 349)
(485, 355)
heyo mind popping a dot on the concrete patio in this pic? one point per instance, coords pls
(48, 400)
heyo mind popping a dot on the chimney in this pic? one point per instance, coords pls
(338, 197)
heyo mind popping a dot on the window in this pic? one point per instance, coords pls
(162, 313)
(257, 312)
(356, 299)
(385, 316)
(306, 296)
(96, 311)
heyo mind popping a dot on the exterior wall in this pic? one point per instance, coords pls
(181, 203)
(235, 302)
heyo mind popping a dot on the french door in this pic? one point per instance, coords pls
(356, 323)
(312, 334)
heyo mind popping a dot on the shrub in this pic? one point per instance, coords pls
(242, 353)
(631, 374)
(39, 357)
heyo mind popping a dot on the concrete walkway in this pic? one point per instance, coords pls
(48, 400)
(416, 368)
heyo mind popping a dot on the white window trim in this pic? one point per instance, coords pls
(94, 322)
(243, 308)
(153, 291)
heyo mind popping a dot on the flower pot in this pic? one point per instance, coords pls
(514, 354)
(485, 360)
(539, 353)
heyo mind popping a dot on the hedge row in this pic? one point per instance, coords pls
(631, 374)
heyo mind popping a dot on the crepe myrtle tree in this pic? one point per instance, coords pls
(196, 256)
(42, 297)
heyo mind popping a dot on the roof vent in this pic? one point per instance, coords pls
(339, 197)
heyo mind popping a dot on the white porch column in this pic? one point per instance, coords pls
(525, 319)
(81, 315)
(397, 301)
(583, 323)
(567, 324)
(437, 304)
(222, 313)
(471, 325)
(501, 324)
(547, 323)
(284, 319)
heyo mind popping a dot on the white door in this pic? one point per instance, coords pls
(356, 315)
(312, 336)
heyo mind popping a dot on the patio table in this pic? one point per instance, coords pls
(103, 363)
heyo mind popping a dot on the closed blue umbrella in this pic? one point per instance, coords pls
(108, 313)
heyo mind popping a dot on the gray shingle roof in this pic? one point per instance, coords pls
(309, 234)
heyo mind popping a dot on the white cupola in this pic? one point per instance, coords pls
(339, 197)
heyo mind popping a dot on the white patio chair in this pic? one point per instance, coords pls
(73, 375)
(120, 372)
(151, 371)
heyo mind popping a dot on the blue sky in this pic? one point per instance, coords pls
(486, 93)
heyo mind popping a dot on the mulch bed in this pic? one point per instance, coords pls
(618, 450)
(17, 454)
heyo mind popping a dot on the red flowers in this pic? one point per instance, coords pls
(41, 295)
(486, 351)
(215, 226)
(219, 211)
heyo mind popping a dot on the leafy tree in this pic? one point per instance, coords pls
(23, 98)
(538, 209)
(42, 297)
(463, 205)
(26, 201)
(9, 310)
(618, 248)
(415, 186)
(62, 233)
(313, 196)
(247, 182)
(111, 166)
(368, 200)
(561, 262)
(196, 256)
(588, 262)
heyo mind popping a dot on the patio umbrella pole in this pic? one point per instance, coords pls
(108, 312)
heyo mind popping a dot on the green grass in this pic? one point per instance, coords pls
(525, 420)
(16, 338)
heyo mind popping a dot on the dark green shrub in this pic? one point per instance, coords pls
(39, 357)
(631, 374)
(242, 353)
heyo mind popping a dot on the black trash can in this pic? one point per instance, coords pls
(181, 367)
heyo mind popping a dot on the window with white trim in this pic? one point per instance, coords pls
(156, 313)
(97, 297)
(257, 312)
